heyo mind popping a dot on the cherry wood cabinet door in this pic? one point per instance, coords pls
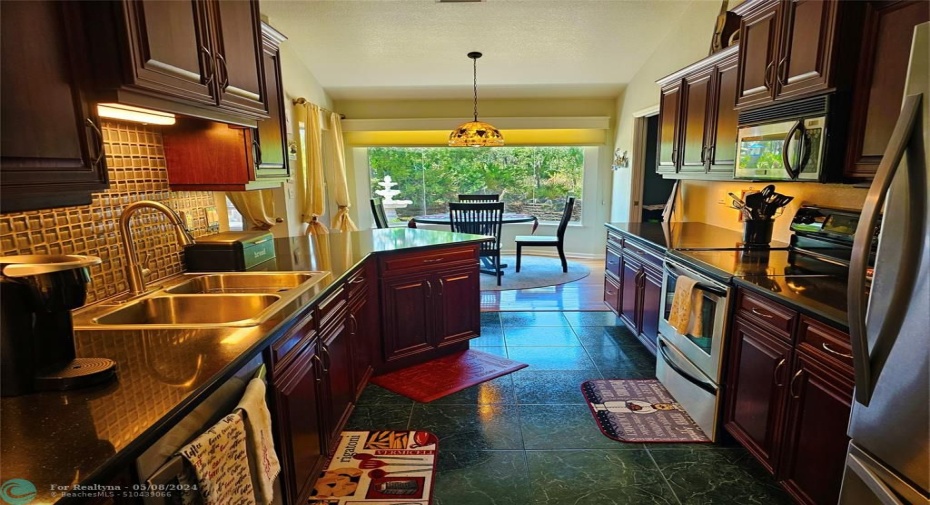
(363, 341)
(171, 48)
(807, 46)
(815, 447)
(652, 299)
(457, 297)
(300, 437)
(338, 389)
(630, 291)
(238, 52)
(758, 375)
(51, 149)
(695, 109)
(612, 294)
(668, 129)
(270, 136)
(407, 322)
(757, 54)
(886, 45)
(723, 127)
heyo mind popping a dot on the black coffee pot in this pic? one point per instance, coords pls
(37, 294)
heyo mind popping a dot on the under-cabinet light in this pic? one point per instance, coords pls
(136, 114)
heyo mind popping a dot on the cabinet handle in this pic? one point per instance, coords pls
(212, 63)
(436, 260)
(442, 284)
(776, 374)
(327, 361)
(319, 362)
(429, 289)
(826, 347)
(98, 137)
(781, 70)
(258, 152)
(768, 75)
(760, 313)
(354, 322)
(794, 379)
(357, 281)
(674, 156)
(221, 59)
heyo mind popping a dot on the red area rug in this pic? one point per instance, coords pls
(639, 411)
(386, 467)
(443, 376)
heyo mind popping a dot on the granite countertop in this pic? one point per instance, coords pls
(685, 235)
(823, 298)
(89, 435)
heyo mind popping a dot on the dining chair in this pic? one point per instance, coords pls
(483, 218)
(377, 210)
(479, 198)
(547, 240)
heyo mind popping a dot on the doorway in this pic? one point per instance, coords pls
(656, 189)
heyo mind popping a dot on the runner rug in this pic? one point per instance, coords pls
(639, 411)
(443, 376)
(383, 467)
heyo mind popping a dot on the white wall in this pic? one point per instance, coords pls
(687, 43)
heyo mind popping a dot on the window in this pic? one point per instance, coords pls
(236, 223)
(531, 180)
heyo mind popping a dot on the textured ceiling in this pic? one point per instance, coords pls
(396, 49)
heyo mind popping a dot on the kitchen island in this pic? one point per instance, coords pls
(93, 436)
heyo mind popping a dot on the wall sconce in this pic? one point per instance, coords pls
(621, 159)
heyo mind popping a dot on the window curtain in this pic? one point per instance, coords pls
(341, 221)
(309, 178)
(256, 207)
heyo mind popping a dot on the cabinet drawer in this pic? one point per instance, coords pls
(284, 349)
(612, 294)
(432, 260)
(766, 313)
(330, 307)
(614, 239)
(357, 284)
(613, 263)
(642, 254)
(824, 341)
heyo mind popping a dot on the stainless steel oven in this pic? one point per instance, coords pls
(790, 150)
(690, 366)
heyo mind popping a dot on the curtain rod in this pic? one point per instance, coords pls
(304, 100)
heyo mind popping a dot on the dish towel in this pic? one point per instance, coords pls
(687, 307)
(262, 457)
(219, 459)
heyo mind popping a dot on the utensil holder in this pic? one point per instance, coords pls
(757, 233)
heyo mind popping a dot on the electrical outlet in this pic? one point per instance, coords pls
(213, 218)
(291, 193)
(187, 219)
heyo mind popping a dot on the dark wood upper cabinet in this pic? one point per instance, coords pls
(201, 58)
(698, 119)
(807, 46)
(271, 134)
(758, 53)
(878, 91)
(51, 144)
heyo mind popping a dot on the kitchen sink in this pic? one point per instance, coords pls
(229, 299)
(190, 309)
(270, 282)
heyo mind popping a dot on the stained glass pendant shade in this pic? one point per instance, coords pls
(475, 133)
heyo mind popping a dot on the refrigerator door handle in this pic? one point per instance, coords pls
(867, 369)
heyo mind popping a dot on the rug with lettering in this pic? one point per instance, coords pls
(635, 410)
(375, 466)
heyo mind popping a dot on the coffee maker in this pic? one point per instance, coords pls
(37, 293)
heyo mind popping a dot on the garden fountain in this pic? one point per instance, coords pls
(387, 194)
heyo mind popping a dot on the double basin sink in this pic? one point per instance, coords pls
(203, 300)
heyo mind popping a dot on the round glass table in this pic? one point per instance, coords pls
(443, 218)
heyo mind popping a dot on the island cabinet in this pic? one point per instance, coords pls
(51, 147)
(698, 119)
(879, 88)
(193, 57)
(789, 394)
(633, 286)
(795, 48)
(430, 304)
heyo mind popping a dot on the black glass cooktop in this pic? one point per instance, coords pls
(752, 262)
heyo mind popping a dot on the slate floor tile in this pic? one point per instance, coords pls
(495, 391)
(615, 357)
(596, 477)
(564, 427)
(534, 387)
(552, 358)
(481, 478)
(377, 395)
(379, 417)
(489, 318)
(518, 319)
(491, 336)
(470, 427)
(603, 318)
(541, 336)
(598, 335)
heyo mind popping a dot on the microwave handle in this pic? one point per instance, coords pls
(784, 151)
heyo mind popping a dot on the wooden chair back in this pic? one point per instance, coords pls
(479, 198)
(566, 217)
(377, 211)
(479, 219)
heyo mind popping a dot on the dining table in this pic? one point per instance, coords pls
(508, 218)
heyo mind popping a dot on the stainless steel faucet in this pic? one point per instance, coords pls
(133, 269)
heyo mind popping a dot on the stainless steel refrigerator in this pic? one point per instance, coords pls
(889, 455)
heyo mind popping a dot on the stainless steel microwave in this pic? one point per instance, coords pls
(790, 150)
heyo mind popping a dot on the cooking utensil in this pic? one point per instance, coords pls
(365, 457)
(379, 474)
(737, 199)
(370, 464)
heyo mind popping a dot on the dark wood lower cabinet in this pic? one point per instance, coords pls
(652, 303)
(406, 320)
(788, 402)
(339, 392)
(633, 287)
(459, 305)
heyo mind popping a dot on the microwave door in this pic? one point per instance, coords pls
(791, 150)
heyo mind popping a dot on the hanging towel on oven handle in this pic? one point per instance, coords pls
(263, 459)
(686, 313)
(220, 462)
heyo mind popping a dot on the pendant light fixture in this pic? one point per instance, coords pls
(475, 133)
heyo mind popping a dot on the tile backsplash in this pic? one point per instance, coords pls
(136, 165)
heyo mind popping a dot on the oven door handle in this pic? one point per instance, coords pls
(706, 386)
(702, 285)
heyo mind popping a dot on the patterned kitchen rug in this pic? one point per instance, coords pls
(635, 410)
(374, 466)
(446, 375)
